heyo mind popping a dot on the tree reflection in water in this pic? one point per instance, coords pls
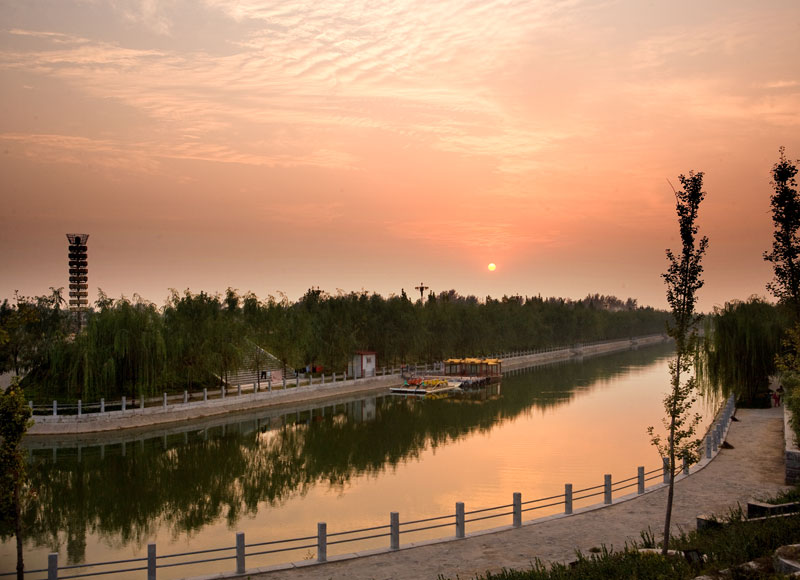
(125, 491)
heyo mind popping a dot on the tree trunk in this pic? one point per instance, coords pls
(18, 533)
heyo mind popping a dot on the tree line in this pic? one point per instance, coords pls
(132, 347)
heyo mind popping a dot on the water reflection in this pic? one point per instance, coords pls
(130, 489)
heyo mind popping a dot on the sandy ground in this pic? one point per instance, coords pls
(753, 468)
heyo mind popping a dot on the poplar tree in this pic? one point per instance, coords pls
(683, 281)
(785, 254)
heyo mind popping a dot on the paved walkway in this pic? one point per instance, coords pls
(754, 467)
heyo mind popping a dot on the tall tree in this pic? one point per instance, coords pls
(683, 281)
(785, 254)
(14, 422)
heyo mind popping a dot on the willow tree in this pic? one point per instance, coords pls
(683, 281)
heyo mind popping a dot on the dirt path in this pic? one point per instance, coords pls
(752, 468)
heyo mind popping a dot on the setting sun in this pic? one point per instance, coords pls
(492, 267)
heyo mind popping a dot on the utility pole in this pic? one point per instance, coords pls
(421, 289)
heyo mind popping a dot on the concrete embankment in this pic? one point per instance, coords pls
(165, 415)
(578, 351)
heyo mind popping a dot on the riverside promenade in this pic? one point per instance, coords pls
(752, 468)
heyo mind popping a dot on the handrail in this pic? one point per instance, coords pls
(321, 541)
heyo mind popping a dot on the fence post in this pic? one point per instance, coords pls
(322, 542)
(141, 401)
(239, 390)
(102, 405)
(205, 395)
(323, 378)
(607, 489)
(284, 382)
(185, 397)
(55, 408)
(240, 552)
(567, 498)
(124, 403)
(297, 380)
(269, 385)
(165, 400)
(151, 562)
(30, 404)
(665, 464)
(640, 474)
(460, 519)
(80, 410)
(517, 517)
(52, 566)
(222, 391)
(394, 533)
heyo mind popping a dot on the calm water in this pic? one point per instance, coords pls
(276, 474)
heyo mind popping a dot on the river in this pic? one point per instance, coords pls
(275, 474)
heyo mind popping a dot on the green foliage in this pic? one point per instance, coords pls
(683, 281)
(132, 348)
(15, 418)
(785, 254)
(629, 564)
(741, 342)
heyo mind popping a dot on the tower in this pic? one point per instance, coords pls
(78, 276)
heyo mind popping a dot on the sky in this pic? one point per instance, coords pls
(359, 145)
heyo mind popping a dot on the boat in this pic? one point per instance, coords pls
(460, 374)
(426, 386)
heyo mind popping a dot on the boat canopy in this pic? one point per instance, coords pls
(473, 366)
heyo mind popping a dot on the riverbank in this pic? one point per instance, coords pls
(752, 467)
(172, 414)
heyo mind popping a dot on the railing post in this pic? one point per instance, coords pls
(334, 377)
(205, 395)
(323, 378)
(517, 517)
(297, 380)
(151, 562)
(124, 403)
(665, 466)
(80, 410)
(640, 474)
(394, 533)
(102, 405)
(141, 401)
(222, 391)
(322, 542)
(55, 408)
(708, 447)
(567, 498)
(284, 382)
(714, 441)
(240, 552)
(607, 489)
(269, 385)
(185, 397)
(460, 523)
(239, 390)
(165, 400)
(52, 566)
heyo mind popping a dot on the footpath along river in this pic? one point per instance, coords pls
(278, 472)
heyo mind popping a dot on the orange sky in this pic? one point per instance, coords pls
(356, 145)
